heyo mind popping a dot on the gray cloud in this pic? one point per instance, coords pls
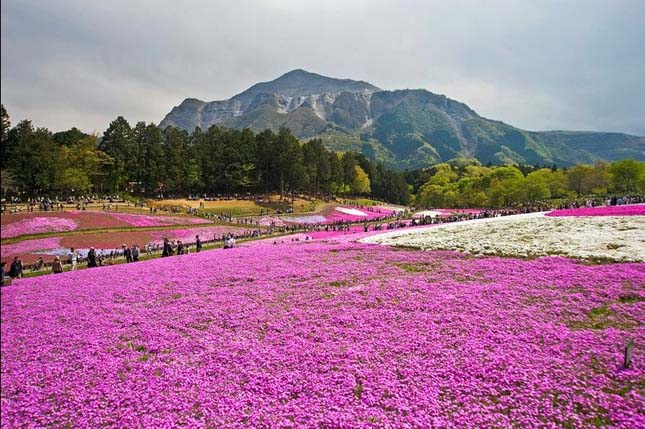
(537, 65)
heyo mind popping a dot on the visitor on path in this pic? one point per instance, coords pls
(57, 267)
(229, 243)
(180, 248)
(2, 274)
(15, 271)
(127, 253)
(198, 243)
(167, 250)
(73, 259)
(39, 265)
(91, 258)
(135, 253)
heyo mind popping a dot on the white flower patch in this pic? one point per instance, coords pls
(616, 238)
(427, 213)
(352, 212)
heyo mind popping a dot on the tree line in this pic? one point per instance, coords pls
(148, 160)
(466, 183)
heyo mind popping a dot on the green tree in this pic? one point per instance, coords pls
(317, 165)
(69, 137)
(556, 181)
(32, 158)
(81, 166)
(5, 125)
(117, 143)
(336, 173)
(361, 183)
(536, 187)
(149, 171)
(578, 178)
(627, 176)
(348, 164)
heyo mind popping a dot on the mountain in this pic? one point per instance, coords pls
(408, 128)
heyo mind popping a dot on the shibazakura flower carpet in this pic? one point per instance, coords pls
(315, 334)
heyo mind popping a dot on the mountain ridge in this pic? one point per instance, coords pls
(405, 128)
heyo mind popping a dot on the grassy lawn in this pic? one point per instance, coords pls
(253, 207)
(243, 207)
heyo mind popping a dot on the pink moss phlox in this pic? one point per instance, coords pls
(316, 334)
(627, 210)
(28, 246)
(139, 220)
(38, 225)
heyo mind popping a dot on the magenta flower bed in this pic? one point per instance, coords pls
(271, 220)
(333, 216)
(16, 224)
(188, 235)
(31, 250)
(628, 210)
(38, 225)
(145, 220)
(370, 214)
(29, 246)
(317, 335)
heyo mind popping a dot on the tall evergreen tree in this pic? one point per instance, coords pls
(5, 125)
(117, 142)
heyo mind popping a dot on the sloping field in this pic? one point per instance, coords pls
(30, 250)
(611, 238)
(326, 335)
(17, 224)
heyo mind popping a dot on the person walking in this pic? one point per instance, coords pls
(127, 253)
(180, 247)
(167, 250)
(57, 267)
(73, 259)
(15, 271)
(198, 243)
(135, 253)
(2, 273)
(91, 258)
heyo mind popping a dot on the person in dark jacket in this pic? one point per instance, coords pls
(15, 271)
(91, 258)
(57, 266)
(167, 250)
(135, 253)
(2, 273)
(198, 243)
(127, 253)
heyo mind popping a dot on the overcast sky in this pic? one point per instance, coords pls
(538, 65)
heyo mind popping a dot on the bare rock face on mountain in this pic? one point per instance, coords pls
(402, 128)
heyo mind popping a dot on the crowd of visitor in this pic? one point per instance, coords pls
(96, 258)
(58, 203)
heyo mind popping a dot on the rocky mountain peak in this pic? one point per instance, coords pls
(403, 128)
(298, 83)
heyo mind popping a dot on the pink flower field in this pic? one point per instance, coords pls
(16, 224)
(28, 246)
(36, 225)
(321, 335)
(47, 248)
(145, 220)
(627, 210)
(333, 214)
